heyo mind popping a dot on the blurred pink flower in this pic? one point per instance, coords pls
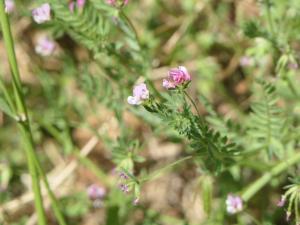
(42, 13)
(111, 2)
(45, 46)
(9, 6)
(124, 188)
(79, 4)
(96, 192)
(72, 6)
(234, 204)
(140, 93)
(246, 61)
(281, 202)
(136, 201)
(177, 76)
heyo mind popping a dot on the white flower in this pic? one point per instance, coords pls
(42, 13)
(234, 204)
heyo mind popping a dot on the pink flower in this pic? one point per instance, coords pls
(72, 6)
(96, 192)
(140, 94)
(9, 6)
(234, 204)
(282, 201)
(45, 46)
(136, 201)
(111, 2)
(42, 13)
(246, 61)
(124, 188)
(80, 3)
(177, 76)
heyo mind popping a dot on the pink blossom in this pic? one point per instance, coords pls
(80, 3)
(282, 201)
(140, 94)
(96, 192)
(124, 188)
(72, 6)
(136, 201)
(111, 2)
(9, 6)
(45, 46)
(42, 13)
(177, 76)
(246, 61)
(234, 204)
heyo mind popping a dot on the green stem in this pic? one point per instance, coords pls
(291, 86)
(156, 174)
(54, 203)
(25, 125)
(270, 18)
(193, 103)
(265, 179)
(34, 174)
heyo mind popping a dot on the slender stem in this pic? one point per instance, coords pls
(193, 103)
(55, 204)
(34, 175)
(156, 174)
(291, 86)
(131, 27)
(270, 18)
(25, 125)
(275, 171)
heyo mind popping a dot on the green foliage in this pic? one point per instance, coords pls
(267, 124)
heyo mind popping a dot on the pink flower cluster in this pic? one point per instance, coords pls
(42, 14)
(140, 94)
(96, 192)
(114, 2)
(45, 46)
(234, 204)
(177, 76)
(9, 6)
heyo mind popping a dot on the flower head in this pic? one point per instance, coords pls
(79, 4)
(140, 94)
(281, 202)
(123, 175)
(42, 13)
(177, 76)
(72, 6)
(124, 188)
(246, 61)
(45, 46)
(96, 192)
(9, 6)
(136, 201)
(234, 204)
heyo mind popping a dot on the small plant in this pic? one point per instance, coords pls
(114, 133)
